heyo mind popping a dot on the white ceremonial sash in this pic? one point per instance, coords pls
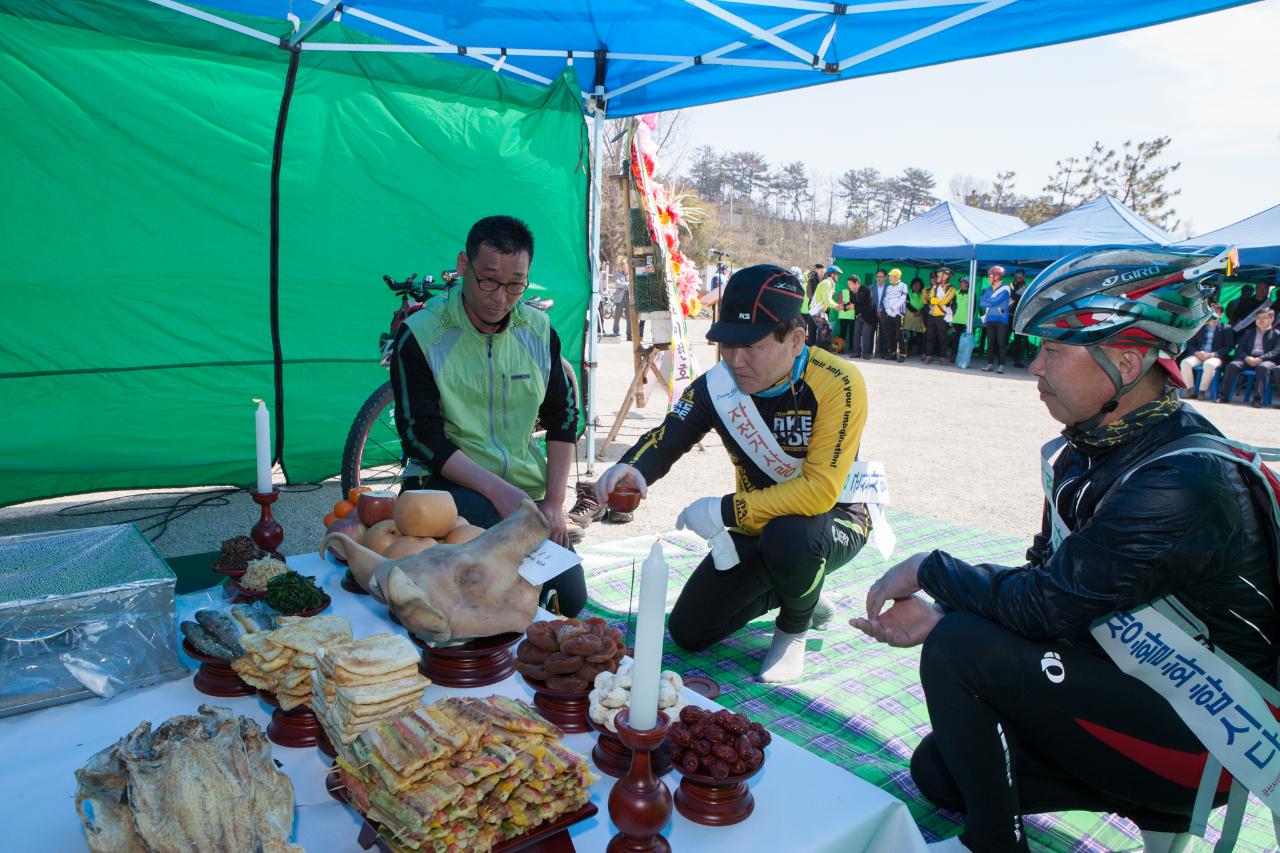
(867, 482)
(1216, 702)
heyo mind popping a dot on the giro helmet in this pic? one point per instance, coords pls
(1154, 300)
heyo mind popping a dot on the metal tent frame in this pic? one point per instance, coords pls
(799, 42)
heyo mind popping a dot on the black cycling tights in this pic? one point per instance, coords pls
(1023, 727)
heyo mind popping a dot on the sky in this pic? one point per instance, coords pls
(1210, 82)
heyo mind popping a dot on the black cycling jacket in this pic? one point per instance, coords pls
(1188, 525)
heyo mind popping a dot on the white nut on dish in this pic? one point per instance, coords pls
(610, 716)
(596, 696)
(666, 696)
(601, 714)
(674, 680)
(616, 698)
(604, 680)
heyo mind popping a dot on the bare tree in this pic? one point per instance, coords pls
(1136, 180)
(1002, 190)
(966, 188)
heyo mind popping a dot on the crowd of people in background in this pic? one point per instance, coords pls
(887, 319)
(1235, 356)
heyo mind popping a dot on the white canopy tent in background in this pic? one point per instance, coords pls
(668, 54)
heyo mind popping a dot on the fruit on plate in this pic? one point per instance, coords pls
(375, 506)
(424, 512)
(381, 536)
(406, 545)
(352, 527)
(465, 533)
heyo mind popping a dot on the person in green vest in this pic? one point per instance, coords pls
(846, 314)
(472, 372)
(960, 318)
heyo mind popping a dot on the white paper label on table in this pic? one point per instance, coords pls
(547, 561)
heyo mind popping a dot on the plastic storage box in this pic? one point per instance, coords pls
(83, 613)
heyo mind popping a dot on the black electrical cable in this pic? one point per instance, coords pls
(167, 511)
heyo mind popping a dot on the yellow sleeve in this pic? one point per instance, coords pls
(833, 447)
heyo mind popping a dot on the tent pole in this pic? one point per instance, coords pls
(973, 292)
(593, 313)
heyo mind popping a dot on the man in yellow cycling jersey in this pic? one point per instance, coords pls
(791, 418)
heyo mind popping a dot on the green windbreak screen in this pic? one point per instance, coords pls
(135, 223)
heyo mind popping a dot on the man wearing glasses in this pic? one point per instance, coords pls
(472, 372)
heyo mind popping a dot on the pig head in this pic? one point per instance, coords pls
(458, 592)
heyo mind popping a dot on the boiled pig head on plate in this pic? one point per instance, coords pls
(457, 592)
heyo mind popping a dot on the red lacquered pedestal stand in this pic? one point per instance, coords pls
(612, 758)
(640, 804)
(267, 533)
(297, 728)
(215, 677)
(564, 708)
(478, 663)
(351, 585)
(715, 802)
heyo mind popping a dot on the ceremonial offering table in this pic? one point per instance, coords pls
(801, 801)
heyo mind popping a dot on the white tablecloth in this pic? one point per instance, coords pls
(802, 801)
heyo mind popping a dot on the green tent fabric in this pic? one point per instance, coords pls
(135, 228)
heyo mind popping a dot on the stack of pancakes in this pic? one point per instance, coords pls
(463, 773)
(281, 661)
(359, 683)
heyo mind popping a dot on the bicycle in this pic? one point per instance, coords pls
(371, 455)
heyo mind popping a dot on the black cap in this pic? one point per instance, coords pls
(755, 300)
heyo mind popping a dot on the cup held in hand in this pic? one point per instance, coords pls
(624, 498)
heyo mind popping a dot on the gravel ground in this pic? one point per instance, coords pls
(958, 445)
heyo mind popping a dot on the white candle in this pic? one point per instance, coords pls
(262, 422)
(646, 671)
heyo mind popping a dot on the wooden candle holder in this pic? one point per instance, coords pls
(564, 708)
(613, 758)
(640, 803)
(298, 728)
(215, 677)
(267, 533)
(478, 663)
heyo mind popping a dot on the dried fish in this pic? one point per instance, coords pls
(206, 643)
(223, 628)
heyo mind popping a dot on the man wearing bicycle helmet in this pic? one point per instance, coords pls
(1028, 712)
(472, 372)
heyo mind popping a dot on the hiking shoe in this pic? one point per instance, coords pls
(615, 517)
(987, 369)
(587, 509)
(1000, 369)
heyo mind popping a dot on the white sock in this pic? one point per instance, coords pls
(1165, 842)
(823, 612)
(785, 659)
(948, 845)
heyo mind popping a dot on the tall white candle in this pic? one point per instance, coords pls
(646, 671)
(262, 423)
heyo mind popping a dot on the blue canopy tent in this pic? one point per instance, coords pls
(635, 58)
(1094, 223)
(947, 232)
(1257, 238)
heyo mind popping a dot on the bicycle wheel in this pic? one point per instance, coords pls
(372, 455)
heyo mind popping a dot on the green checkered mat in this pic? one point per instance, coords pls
(860, 704)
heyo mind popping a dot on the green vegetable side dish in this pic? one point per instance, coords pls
(294, 593)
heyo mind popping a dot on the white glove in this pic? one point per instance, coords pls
(723, 552)
(619, 475)
(702, 517)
